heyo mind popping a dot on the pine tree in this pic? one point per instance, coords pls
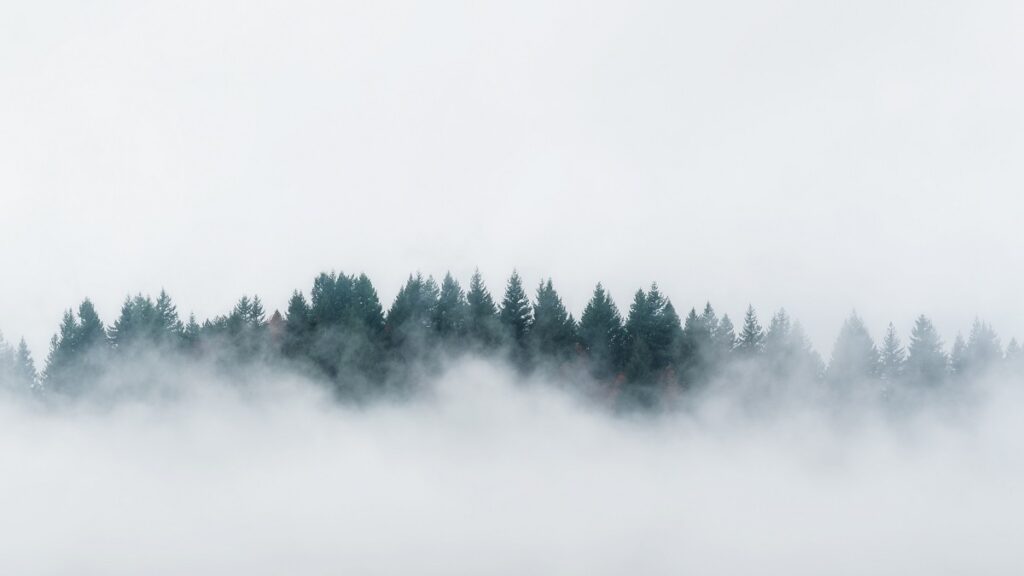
(515, 314)
(482, 322)
(893, 356)
(854, 358)
(724, 338)
(169, 328)
(449, 317)
(24, 367)
(409, 321)
(958, 356)
(926, 361)
(298, 327)
(751, 339)
(601, 334)
(553, 332)
(983, 349)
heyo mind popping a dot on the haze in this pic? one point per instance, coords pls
(817, 156)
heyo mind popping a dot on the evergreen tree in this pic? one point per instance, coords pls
(298, 327)
(369, 314)
(450, 314)
(854, 358)
(751, 339)
(516, 315)
(553, 332)
(893, 356)
(926, 361)
(983, 349)
(724, 339)
(410, 319)
(169, 327)
(483, 325)
(958, 356)
(653, 333)
(697, 355)
(601, 334)
(24, 367)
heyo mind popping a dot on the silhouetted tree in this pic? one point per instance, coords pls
(854, 357)
(553, 332)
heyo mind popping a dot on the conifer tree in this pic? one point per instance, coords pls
(892, 356)
(553, 332)
(983, 349)
(601, 334)
(24, 367)
(450, 313)
(751, 339)
(854, 357)
(926, 361)
(482, 316)
(298, 327)
(515, 314)
(958, 356)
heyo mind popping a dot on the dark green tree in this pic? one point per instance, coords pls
(601, 334)
(553, 332)
(516, 316)
(750, 342)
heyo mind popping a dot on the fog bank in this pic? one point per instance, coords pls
(490, 473)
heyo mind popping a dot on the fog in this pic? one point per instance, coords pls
(485, 471)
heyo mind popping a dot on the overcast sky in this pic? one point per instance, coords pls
(815, 155)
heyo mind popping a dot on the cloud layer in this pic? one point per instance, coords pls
(490, 473)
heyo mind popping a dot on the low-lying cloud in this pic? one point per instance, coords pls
(488, 472)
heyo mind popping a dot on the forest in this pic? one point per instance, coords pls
(342, 336)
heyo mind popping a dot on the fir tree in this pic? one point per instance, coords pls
(482, 315)
(926, 361)
(553, 332)
(515, 314)
(601, 334)
(854, 357)
(751, 339)
(892, 356)
(450, 313)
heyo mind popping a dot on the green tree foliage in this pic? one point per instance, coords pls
(450, 316)
(602, 335)
(482, 324)
(553, 332)
(653, 335)
(516, 316)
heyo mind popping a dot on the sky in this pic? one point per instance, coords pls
(819, 156)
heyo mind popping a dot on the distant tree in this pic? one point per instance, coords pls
(854, 357)
(25, 375)
(553, 332)
(298, 327)
(893, 356)
(751, 339)
(984, 350)
(697, 354)
(170, 328)
(926, 361)
(77, 352)
(516, 315)
(410, 320)
(601, 334)
(958, 361)
(653, 335)
(450, 314)
(482, 325)
(724, 339)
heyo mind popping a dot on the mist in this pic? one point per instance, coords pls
(487, 471)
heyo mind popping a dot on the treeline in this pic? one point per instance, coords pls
(342, 335)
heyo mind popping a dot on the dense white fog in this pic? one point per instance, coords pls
(487, 472)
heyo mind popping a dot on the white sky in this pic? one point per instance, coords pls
(815, 155)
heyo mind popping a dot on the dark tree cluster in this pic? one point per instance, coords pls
(342, 334)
